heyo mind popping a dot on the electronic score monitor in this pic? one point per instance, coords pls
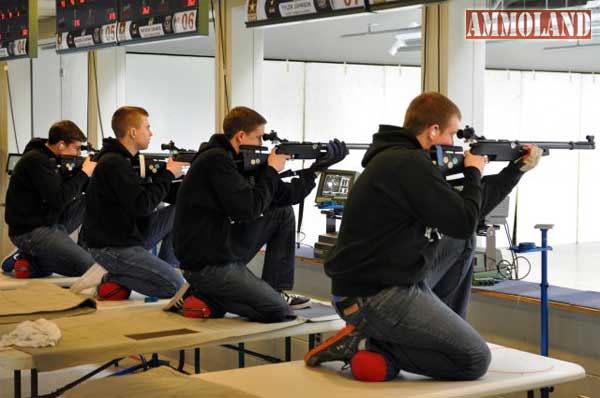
(161, 19)
(18, 29)
(335, 185)
(84, 24)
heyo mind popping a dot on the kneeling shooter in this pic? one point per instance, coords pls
(122, 222)
(43, 207)
(397, 212)
(225, 215)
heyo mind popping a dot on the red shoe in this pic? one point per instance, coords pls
(111, 291)
(340, 347)
(371, 367)
(23, 268)
(193, 307)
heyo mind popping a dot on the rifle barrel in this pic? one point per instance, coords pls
(358, 146)
(559, 144)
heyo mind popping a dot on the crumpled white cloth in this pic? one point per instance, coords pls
(39, 333)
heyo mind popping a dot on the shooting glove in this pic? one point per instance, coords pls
(336, 152)
(530, 159)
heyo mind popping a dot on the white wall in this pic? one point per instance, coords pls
(319, 102)
(177, 92)
(54, 97)
(18, 75)
(589, 162)
(74, 88)
(47, 90)
(545, 107)
(111, 76)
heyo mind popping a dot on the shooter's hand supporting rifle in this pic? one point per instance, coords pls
(336, 152)
(175, 167)
(277, 161)
(530, 159)
(88, 166)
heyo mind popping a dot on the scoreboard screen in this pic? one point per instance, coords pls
(273, 12)
(156, 19)
(18, 29)
(85, 23)
(269, 12)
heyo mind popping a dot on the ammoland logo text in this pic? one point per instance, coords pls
(529, 24)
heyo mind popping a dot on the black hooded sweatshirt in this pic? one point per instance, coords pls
(119, 202)
(37, 193)
(218, 201)
(396, 209)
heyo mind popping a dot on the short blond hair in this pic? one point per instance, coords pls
(126, 117)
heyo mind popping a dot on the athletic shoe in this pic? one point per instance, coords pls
(295, 301)
(340, 347)
(8, 264)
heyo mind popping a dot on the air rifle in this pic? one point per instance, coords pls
(303, 150)
(253, 156)
(450, 159)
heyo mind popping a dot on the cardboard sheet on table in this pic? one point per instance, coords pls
(40, 299)
(105, 335)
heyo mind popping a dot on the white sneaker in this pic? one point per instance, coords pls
(176, 302)
(295, 301)
(92, 278)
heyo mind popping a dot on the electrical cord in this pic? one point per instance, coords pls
(12, 112)
(511, 269)
(95, 64)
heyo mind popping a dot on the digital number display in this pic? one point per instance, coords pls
(84, 14)
(82, 24)
(85, 23)
(155, 19)
(18, 29)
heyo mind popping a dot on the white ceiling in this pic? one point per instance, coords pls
(321, 41)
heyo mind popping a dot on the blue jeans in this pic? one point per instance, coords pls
(421, 328)
(52, 250)
(137, 269)
(276, 230)
(418, 333)
(233, 288)
(450, 273)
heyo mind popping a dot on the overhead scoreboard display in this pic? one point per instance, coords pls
(157, 19)
(86, 24)
(18, 29)
(267, 12)
(81, 24)
(272, 12)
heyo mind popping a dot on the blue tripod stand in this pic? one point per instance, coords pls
(543, 249)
